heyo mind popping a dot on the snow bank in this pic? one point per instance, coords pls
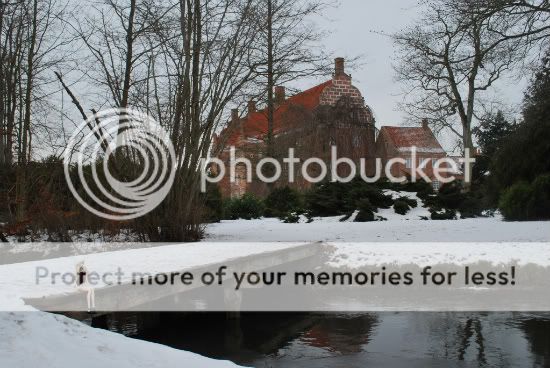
(18, 280)
(33, 339)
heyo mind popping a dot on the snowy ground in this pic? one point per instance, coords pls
(37, 339)
(31, 338)
(18, 280)
(398, 228)
(330, 229)
(408, 228)
(355, 255)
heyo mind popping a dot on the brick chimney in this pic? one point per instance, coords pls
(236, 121)
(251, 106)
(234, 115)
(425, 123)
(339, 68)
(280, 94)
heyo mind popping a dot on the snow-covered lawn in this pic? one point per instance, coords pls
(396, 229)
(29, 339)
(355, 255)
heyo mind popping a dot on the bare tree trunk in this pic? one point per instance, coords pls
(21, 180)
(29, 85)
(129, 55)
(270, 87)
(270, 80)
(11, 45)
(3, 90)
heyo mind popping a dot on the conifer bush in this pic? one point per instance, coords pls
(523, 201)
(412, 203)
(329, 199)
(401, 207)
(291, 218)
(281, 201)
(247, 207)
(366, 211)
(213, 203)
(446, 214)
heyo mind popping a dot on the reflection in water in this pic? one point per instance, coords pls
(351, 340)
(537, 332)
(342, 334)
(471, 330)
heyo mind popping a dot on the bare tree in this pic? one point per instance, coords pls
(35, 48)
(458, 50)
(181, 61)
(208, 62)
(12, 27)
(451, 57)
(116, 35)
(531, 17)
(288, 47)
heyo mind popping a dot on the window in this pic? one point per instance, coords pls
(408, 163)
(434, 160)
(436, 184)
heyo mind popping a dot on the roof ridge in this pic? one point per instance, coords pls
(409, 136)
(295, 96)
(254, 123)
(401, 127)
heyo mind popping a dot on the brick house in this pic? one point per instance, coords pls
(332, 113)
(398, 142)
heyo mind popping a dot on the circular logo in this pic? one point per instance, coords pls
(125, 163)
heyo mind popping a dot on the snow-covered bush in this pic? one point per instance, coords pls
(446, 214)
(291, 218)
(366, 211)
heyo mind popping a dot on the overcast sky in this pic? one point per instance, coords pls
(352, 32)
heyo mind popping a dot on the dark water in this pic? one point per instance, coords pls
(351, 340)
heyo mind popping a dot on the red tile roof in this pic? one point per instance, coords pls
(255, 124)
(406, 137)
